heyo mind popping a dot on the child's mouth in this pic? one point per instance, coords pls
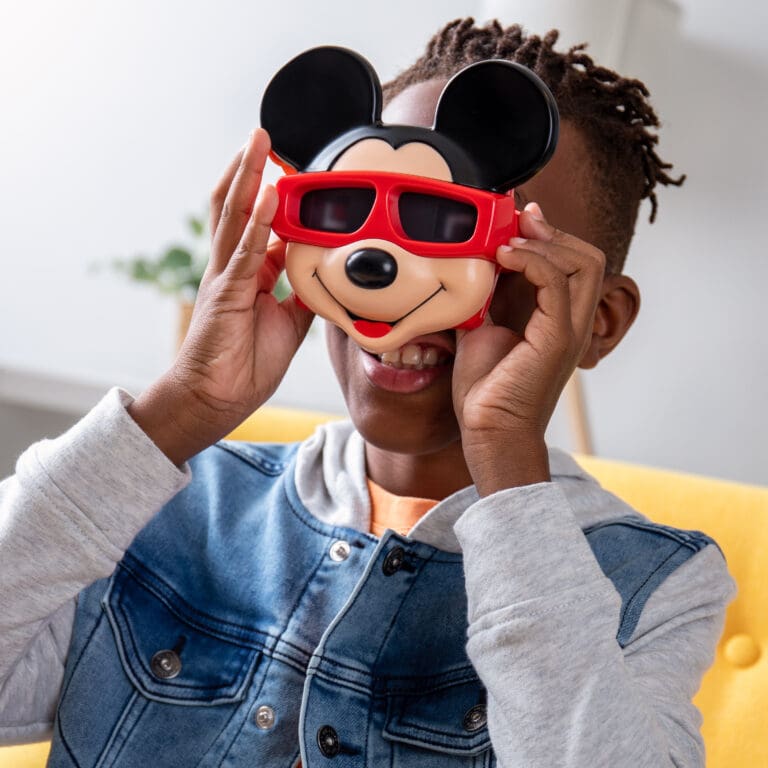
(415, 366)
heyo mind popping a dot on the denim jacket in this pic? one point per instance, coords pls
(248, 621)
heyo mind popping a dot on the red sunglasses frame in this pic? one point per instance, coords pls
(497, 217)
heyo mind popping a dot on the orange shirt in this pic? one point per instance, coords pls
(400, 513)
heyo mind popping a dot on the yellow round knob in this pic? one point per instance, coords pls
(741, 650)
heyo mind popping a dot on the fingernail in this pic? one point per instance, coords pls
(518, 241)
(535, 210)
(505, 248)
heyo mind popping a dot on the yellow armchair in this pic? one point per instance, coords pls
(26, 756)
(734, 694)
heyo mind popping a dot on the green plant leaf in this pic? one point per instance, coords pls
(176, 258)
(179, 268)
(143, 270)
(197, 225)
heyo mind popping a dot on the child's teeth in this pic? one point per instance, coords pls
(429, 356)
(411, 355)
(391, 358)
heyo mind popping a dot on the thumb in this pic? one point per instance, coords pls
(462, 332)
(300, 316)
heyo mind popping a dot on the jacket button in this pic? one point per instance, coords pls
(265, 717)
(475, 718)
(328, 741)
(393, 562)
(339, 551)
(165, 664)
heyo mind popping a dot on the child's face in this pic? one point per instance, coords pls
(404, 403)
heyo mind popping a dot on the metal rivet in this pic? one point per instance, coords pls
(475, 718)
(393, 562)
(165, 664)
(265, 717)
(328, 741)
(340, 550)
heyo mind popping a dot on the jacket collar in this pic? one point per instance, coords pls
(331, 483)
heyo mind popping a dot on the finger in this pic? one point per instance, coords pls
(219, 193)
(300, 316)
(250, 256)
(239, 201)
(534, 226)
(462, 332)
(553, 301)
(564, 257)
(584, 265)
(583, 276)
(273, 266)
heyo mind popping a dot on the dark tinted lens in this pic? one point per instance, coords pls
(336, 210)
(436, 219)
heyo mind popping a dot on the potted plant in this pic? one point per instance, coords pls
(178, 270)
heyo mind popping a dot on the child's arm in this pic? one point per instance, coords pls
(543, 639)
(506, 385)
(241, 339)
(66, 518)
(77, 502)
(543, 635)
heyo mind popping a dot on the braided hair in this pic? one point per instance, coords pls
(612, 113)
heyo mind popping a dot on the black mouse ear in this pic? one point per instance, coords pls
(315, 98)
(504, 117)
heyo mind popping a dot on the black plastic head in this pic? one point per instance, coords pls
(496, 123)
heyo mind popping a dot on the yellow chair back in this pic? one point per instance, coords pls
(734, 694)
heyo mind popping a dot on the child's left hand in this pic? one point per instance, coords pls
(506, 386)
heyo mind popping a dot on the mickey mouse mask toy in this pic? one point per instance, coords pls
(392, 230)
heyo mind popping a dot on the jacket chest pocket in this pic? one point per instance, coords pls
(444, 727)
(172, 655)
(153, 679)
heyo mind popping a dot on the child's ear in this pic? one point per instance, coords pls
(315, 98)
(504, 118)
(616, 311)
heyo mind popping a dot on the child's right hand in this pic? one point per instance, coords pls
(241, 339)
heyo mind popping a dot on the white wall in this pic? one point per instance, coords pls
(691, 380)
(117, 119)
(686, 388)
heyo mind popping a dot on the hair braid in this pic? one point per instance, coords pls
(613, 112)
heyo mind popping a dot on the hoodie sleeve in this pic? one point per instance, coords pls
(66, 518)
(561, 690)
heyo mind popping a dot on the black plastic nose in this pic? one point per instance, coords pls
(371, 268)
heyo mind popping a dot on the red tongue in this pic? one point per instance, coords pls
(371, 329)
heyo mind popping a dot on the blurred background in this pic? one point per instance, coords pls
(118, 118)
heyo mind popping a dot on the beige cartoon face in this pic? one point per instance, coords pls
(379, 293)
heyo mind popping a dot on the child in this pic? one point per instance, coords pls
(229, 610)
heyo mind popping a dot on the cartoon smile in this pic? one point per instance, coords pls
(375, 329)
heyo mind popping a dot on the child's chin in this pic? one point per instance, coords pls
(408, 431)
